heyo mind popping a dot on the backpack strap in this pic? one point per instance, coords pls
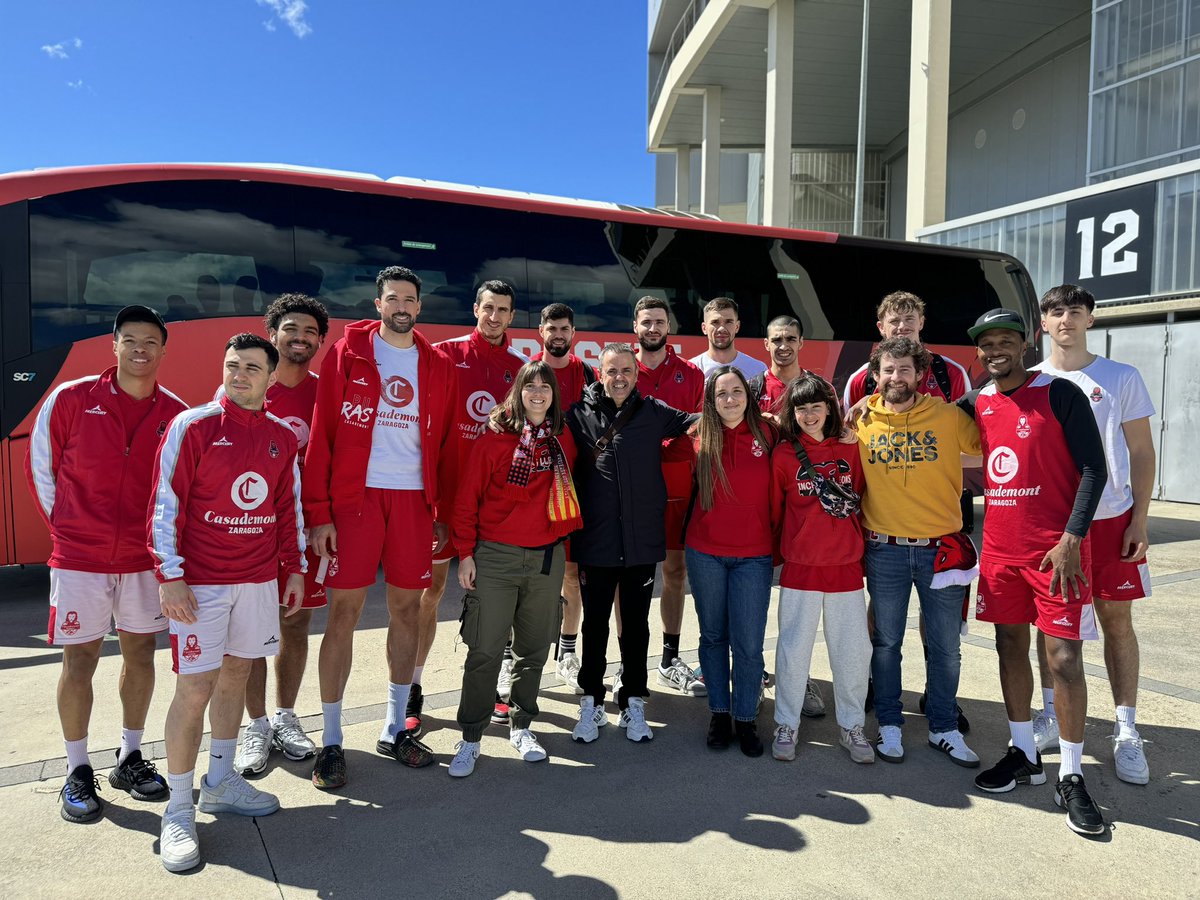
(942, 374)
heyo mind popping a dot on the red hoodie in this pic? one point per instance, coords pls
(335, 467)
(739, 523)
(92, 478)
(572, 378)
(820, 552)
(488, 508)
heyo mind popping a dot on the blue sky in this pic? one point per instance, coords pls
(537, 95)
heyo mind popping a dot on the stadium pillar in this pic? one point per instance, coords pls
(710, 152)
(928, 111)
(777, 154)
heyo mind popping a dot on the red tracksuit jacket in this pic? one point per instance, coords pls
(93, 481)
(226, 506)
(335, 466)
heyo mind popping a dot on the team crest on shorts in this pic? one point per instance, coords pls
(273, 450)
(191, 648)
(1023, 429)
(70, 624)
(980, 606)
(1097, 395)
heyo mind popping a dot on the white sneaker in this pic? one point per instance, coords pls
(463, 763)
(591, 719)
(526, 745)
(1045, 732)
(236, 795)
(178, 846)
(289, 737)
(568, 671)
(504, 680)
(633, 720)
(856, 743)
(1130, 757)
(890, 748)
(814, 705)
(680, 677)
(252, 756)
(783, 747)
(954, 746)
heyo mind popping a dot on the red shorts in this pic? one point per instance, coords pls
(314, 593)
(1015, 595)
(395, 528)
(1111, 578)
(676, 511)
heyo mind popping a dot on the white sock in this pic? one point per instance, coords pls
(220, 759)
(1048, 701)
(131, 739)
(1022, 738)
(1125, 720)
(261, 723)
(417, 674)
(333, 724)
(1070, 759)
(181, 790)
(397, 705)
(285, 712)
(77, 754)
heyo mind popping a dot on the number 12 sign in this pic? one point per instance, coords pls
(1110, 242)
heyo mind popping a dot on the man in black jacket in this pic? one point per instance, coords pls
(618, 474)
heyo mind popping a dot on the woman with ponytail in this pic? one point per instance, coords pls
(515, 506)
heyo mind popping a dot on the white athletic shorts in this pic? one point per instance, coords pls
(83, 605)
(233, 619)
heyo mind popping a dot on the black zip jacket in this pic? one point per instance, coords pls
(622, 494)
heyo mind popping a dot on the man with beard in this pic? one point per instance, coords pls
(665, 376)
(785, 337)
(1045, 474)
(296, 326)
(379, 468)
(911, 446)
(558, 333)
(721, 325)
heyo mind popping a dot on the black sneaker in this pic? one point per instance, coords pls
(412, 713)
(80, 802)
(720, 731)
(964, 727)
(748, 739)
(1083, 815)
(406, 749)
(1013, 769)
(329, 771)
(139, 779)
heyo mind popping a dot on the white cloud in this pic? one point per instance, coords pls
(291, 12)
(59, 50)
(75, 84)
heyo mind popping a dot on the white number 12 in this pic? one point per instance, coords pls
(1114, 259)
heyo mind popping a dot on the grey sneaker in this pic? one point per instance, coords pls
(857, 745)
(252, 756)
(236, 795)
(814, 705)
(568, 671)
(890, 747)
(680, 677)
(504, 680)
(591, 719)
(463, 763)
(178, 846)
(289, 737)
(783, 747)
(633, 720)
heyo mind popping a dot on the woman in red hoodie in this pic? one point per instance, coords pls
(514, 507)
(822, 549)
(728, 549)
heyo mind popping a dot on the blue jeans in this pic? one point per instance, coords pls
(892, 572)
(732, 596)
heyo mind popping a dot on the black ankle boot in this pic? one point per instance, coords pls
(720, 731)
(747, 735)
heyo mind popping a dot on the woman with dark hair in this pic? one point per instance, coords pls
(815, 487)
(514, 507)
(728, 547)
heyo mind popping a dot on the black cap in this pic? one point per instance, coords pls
(140, 314)
(997, 318)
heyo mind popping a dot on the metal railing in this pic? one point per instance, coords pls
(686, 23)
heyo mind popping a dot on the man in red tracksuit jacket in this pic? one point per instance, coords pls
(378, 478)
(224, 520)
(89, 467)
(485, 364)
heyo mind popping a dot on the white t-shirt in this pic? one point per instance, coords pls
(1118, 395)
(395, 462)
(746, 364)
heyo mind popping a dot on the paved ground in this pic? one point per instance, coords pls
(611, 819)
